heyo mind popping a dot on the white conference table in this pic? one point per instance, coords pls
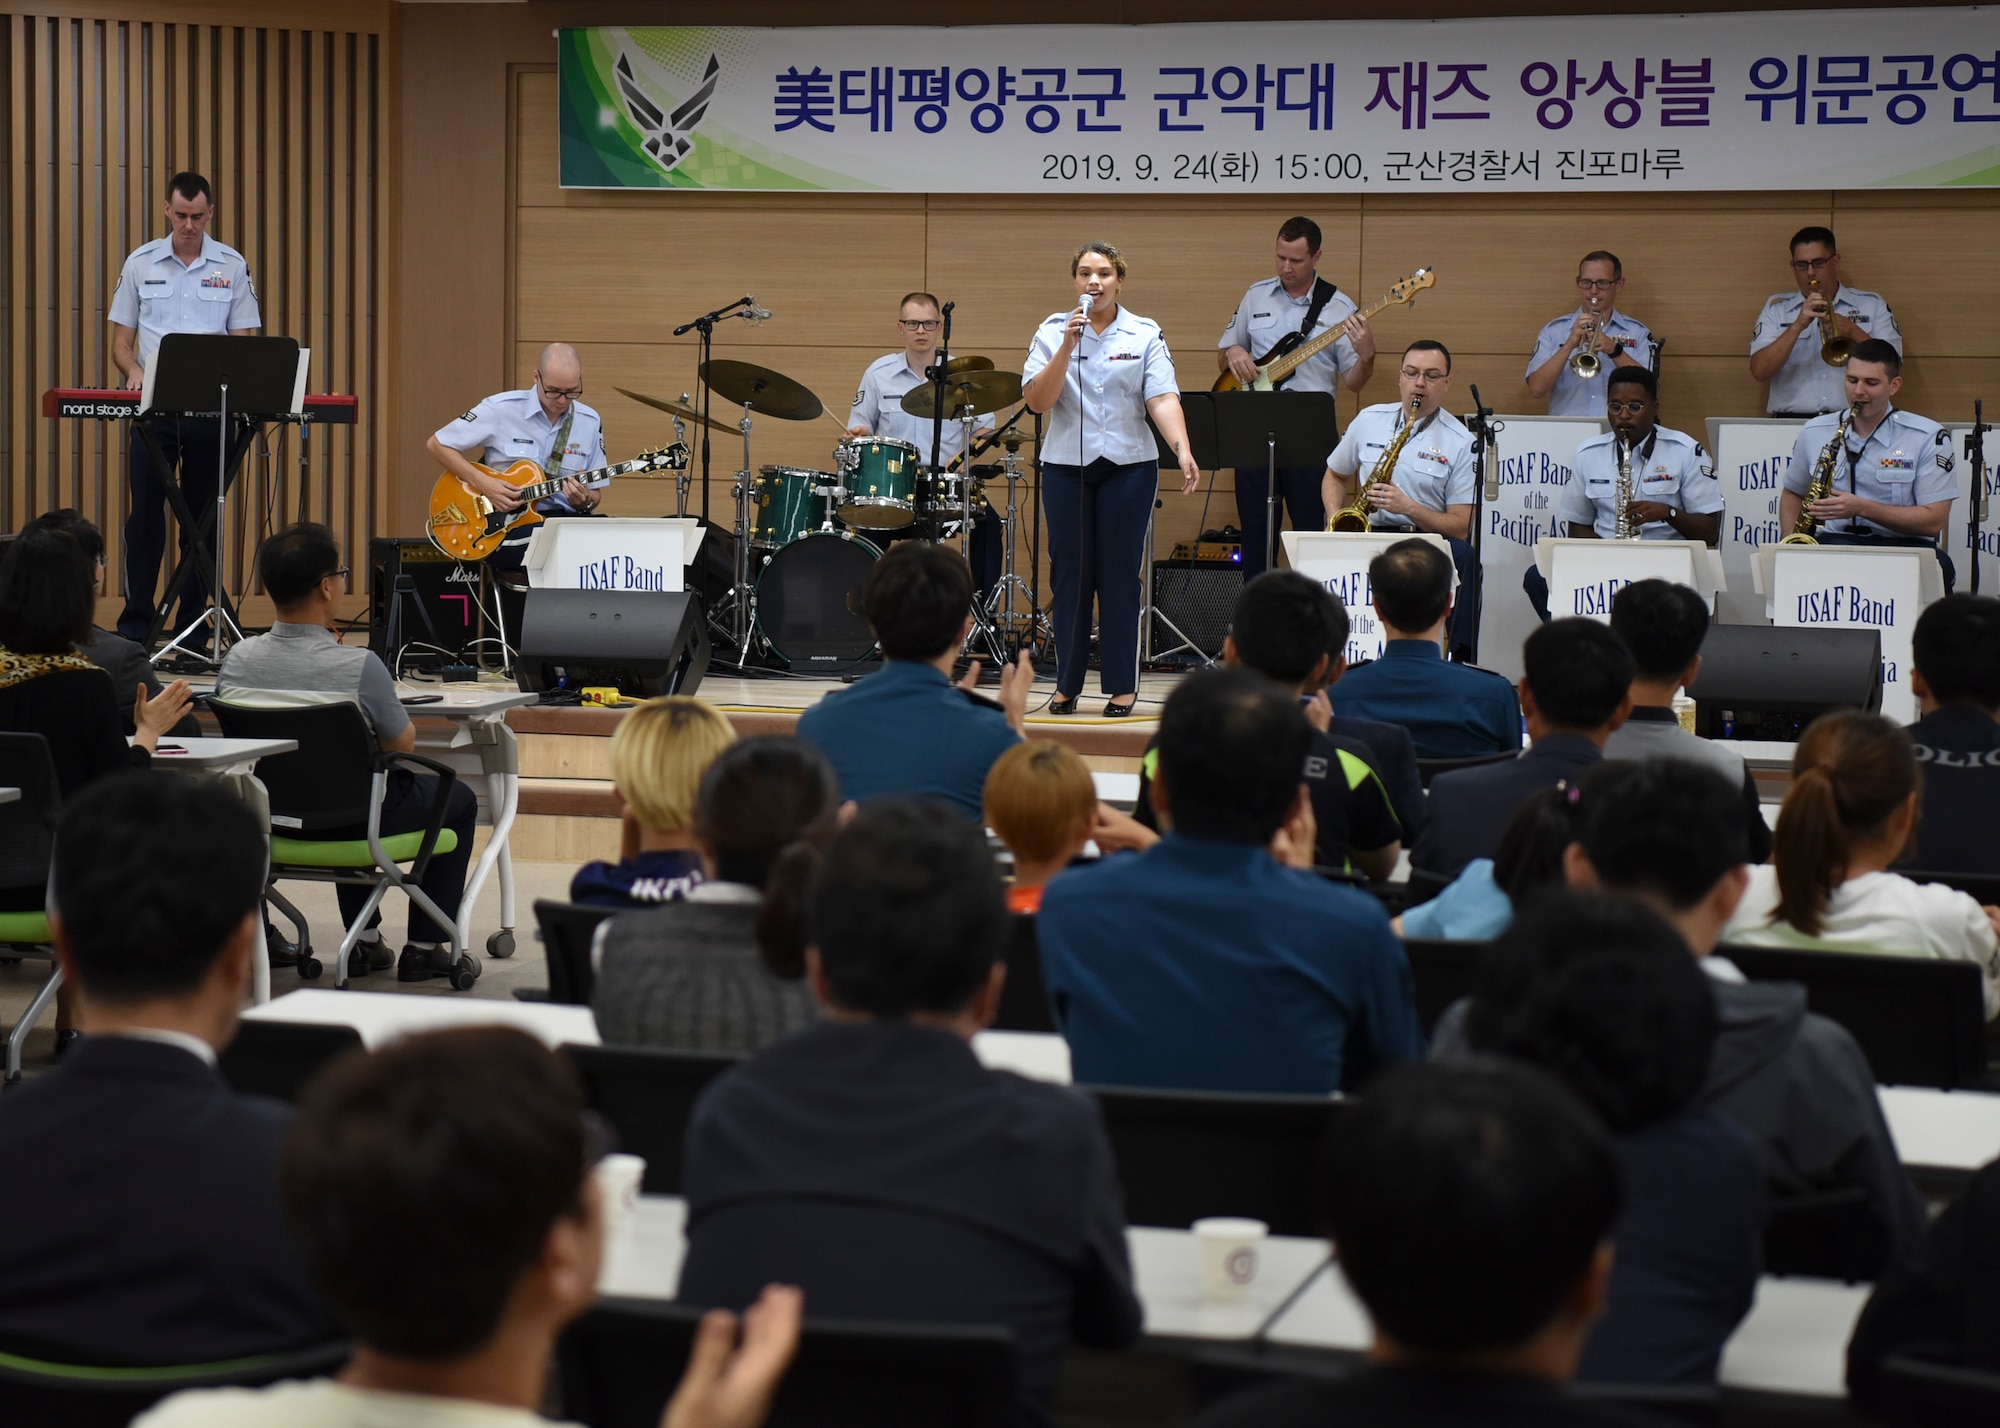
(1954, 1131)
(219, 756)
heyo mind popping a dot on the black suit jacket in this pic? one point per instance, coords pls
(145, 1227)
(885, 1171)
(1470, 807)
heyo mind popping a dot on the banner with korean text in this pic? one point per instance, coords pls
(1772, 100)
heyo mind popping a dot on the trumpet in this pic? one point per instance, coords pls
(1834, 350)
(1624, 529)
(1822, 482)
(1352, 518)
(1585, 362)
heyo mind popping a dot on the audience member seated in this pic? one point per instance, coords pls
(1601, 993)
(1796, 1082)
(1042, 803)
(723, 969)
(1202, 962)
(1471, 1209)
(124, 660)
(147, 1229)
(1453, 711)
(905, 729)
(1847, 817)
(1663, 625)
(658, 756)
(1282, 628)
(1480, 903)
(442, 1191)
(1390, 749)
(301, 570)
(1956, 652)
(1576, 690)
(873, 1161)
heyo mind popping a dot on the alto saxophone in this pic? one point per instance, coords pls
(1352, 518)
(1624, 530)
(1822, 482)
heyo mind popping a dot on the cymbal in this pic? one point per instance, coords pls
(769, 393)
(679, 409)
(968, 364)
(981, 391)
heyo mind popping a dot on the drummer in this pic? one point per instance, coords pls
(878, 411)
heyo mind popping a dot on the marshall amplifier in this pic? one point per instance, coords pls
(421, 601)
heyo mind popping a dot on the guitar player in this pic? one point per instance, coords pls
(548, 424)
(1297, 300)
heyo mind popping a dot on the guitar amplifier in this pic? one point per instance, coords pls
(438, 587)
(1198, 597)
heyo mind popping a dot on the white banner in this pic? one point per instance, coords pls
(1533, 456)
(1752, 455)
(1771, 100)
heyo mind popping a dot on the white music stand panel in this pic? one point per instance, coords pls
(1530, 465)
(1584, 575)
(612, 553)
(1339, 561)
(1857, 587)
(1752, 455)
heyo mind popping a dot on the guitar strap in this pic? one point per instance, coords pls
(1323, 292)
(552, 468)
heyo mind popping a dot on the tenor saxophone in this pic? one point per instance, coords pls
(1822, 482)
(1352, 518)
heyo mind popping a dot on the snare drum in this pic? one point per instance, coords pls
(808, 600)
(881, 480)
(784, 507)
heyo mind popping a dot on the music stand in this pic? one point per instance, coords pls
(239, 379)
(1198, 415)
(1274, 429)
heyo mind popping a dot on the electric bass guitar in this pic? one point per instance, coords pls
(1293, 351)
(465, 525)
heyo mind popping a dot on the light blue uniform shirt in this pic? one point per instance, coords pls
(1906, 461)
(511, 425)
(879, 407)
(1804, 383)
(1673, 469)
(1116, 373)
(1572, 395)
(1434, 469)
(158, 294)
(1268, 312)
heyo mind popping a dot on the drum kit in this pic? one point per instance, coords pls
(803, 536)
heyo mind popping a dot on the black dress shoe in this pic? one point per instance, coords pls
(369, 955)
(420, 964)
(1119, 711)
(1064, 706)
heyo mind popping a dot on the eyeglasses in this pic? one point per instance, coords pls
(1413, 374)
(1598, 284)
(567, 394)
(1812, 265)
(340, 574)
(1633, 407)
(929, 324)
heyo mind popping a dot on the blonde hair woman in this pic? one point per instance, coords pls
(658, 756)
(1042, 801)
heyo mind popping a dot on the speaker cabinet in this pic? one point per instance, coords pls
(436, 614)
(1198, 597)
(645, 643)
(1770, 681)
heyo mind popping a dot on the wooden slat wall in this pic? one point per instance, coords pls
(286, 124)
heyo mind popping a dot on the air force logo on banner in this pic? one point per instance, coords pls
(669, 137)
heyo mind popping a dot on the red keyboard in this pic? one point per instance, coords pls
(113, 403)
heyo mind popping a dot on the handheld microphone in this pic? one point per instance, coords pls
(754, 314)
(1086, 301)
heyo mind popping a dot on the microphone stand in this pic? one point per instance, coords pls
(1485, 487)
(935, 374)
(1975, 455)
(738, 626)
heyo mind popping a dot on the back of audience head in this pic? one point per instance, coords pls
(1576, 677)
(48, 593)
(1854, 784)
(1232, 749)
(1470, 1205)
(1041, 801)
(1956, 651)
(1530, 858)
(659, 754)
(159, 882)
(293, 562)
(1669, 832)
(1662, 625)
(905, 917)
(1287, 627)
(74, 524)
(917, 598)
(764, 808)
(1600, 992)
(1411, 581)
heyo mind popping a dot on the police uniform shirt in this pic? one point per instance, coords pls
(1906, 461)
(1669, 467)
(1573, 396)
(879, 407)
(1117, 372)
(1434, 468)
(509, 426)
(1805, 383)
(158, 294)
(1268, 312)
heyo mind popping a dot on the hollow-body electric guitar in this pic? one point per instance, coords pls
(466, 525)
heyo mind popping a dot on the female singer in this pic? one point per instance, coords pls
(1101, 470)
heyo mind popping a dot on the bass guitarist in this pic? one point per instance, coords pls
(548, 424)
(1296, 301)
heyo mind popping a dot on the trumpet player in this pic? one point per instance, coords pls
(1576, 354)
(1803, 339)
(1892, 484)
(1672, 492)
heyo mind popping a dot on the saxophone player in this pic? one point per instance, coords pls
(1577, 354)
(1673, 494)
(1795, 328)
(1892, 482)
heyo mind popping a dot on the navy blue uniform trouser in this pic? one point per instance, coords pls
(1099, 518)
(192, 445)
(406, 808)
(1298, 492)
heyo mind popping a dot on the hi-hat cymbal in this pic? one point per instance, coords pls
(968, 364)
(768, 393)
(679, 409)
(981, 391)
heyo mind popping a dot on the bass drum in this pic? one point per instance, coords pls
(808, 600)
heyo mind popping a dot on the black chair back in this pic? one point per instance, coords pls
(322, 785)
(1984, 886)
(27, 825)
(648, 1095)
(1829, 1234)
(1024, 1002)
(1919, 1394)
(277, 1058)
(34, 1394)
(1428, 769)
(1444, 973)
(567, 929)
(1921, 1022)
(619, 1363)
(1184, 1155)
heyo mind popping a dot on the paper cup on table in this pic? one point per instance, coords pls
(618, 1180)
(1230, 1249)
